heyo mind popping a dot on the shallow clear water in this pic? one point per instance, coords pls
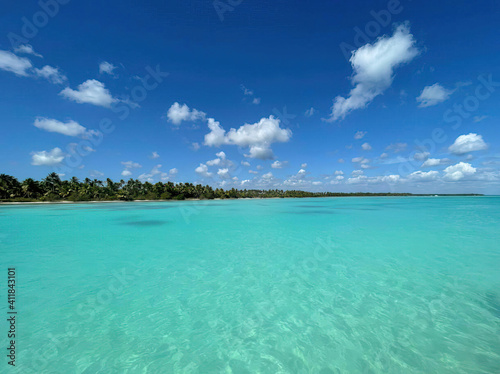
(332, 285)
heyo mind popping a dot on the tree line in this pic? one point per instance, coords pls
(52, 188)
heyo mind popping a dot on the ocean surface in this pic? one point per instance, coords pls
(320, 285)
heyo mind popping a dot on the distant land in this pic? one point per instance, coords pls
(53, 189)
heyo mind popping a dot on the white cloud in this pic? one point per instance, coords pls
(126, 173)
(178, 113)
(203, 171)
(131, 165)
(278, 164)
(360, 160)
(90, 92)
(384, 155)
(421, 156)
(357, 172)
(15, 64)
(173, 171)
(373, 66)
(51, 158)
(195, 146)
(339, 172)
(96, 173)
(258, 136)
(363, 179)
(51, 73)
(106, 68)
(468, 143)
(148, 176)
(253, 172)
(340, 160)
(223, 173)
(154, 155)
(423, 176)
(259, 167)
(434, 162)
(359, 134)
(433, 95)
(245, 163)
(256, 100)
(26, 49)
(69, 128)
(459, 171)
(303, 166)
(310, 112)
(366, 147)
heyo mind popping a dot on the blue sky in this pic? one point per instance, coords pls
(382, 96)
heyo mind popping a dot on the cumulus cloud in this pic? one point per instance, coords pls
(154, 172)
(421, 156)
(129, 165)
(178, 113)
(195, 146)
(51, 158)
(91, 92)
(422, 176)
(278, 164)
(459, 171)
(223, 173)
(359, 134)
(435, 161)
(69, 128)
(26, 49)
(360, 160)
(468, 143)
(15, 64)
(154, 155)
(258, 137)
(339, 172)
(433, 95)
(373, 70)
(203, 171)
(51, 73)
(245, 163)
(106, 68)
(366, 147)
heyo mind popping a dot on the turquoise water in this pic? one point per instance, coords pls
(331, 285)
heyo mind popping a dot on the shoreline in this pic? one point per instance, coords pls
(217, 199)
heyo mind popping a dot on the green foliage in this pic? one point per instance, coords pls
(52, 188)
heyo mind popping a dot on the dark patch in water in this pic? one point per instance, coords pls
(145, 223)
